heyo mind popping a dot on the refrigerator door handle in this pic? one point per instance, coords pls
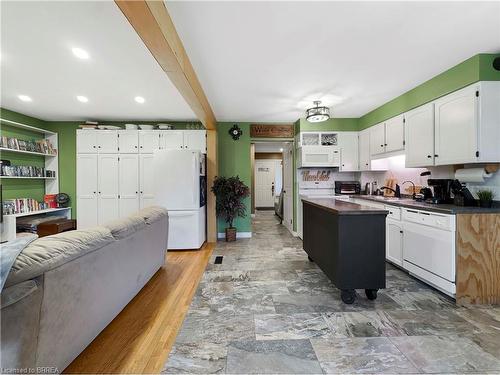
(196, 182)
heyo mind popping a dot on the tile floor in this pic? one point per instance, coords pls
(267, 309)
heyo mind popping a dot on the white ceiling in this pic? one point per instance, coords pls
(267, 61)
(36, 60)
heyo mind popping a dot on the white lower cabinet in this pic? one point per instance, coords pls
(86, 190)
(394, 241)
(107, 185)
(364, 150)
(129, 184)
(146, 181)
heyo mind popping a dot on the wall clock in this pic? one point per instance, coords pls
(235, 132)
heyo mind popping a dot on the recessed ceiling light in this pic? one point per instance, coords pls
(80, 53)
(25, 98)
(139, 99)
(82, 98)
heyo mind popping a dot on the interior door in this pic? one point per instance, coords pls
(172, 139)
(377, 139)
(86, 190)
(86, 141)
(107, 141)
(149, 141)
(456, 127)
(195, 140)
(108, 180)
(128, 141)
(264, 183)
(288, 186)
(394, 134)
(129, 184)
(146, 180)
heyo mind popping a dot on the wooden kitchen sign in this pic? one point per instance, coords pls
(271, 131)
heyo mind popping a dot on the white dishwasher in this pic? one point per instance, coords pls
(429, 248)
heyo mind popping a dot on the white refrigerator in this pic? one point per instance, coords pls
(180, 187)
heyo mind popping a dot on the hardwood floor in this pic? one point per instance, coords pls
(139, 339)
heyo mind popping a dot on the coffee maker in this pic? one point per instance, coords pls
(442, 189)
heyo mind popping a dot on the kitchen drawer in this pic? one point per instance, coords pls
(432, 219)
(394, 212)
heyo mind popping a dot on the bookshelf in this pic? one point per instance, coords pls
(51, 184)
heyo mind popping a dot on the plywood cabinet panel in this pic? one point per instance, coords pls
(478, 259)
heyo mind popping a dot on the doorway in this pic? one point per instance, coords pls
(272, 179)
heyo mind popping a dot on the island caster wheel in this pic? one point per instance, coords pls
(310, 259)
(371, 294)
(348, 296)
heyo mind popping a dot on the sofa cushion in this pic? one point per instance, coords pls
(152, 213)
(50, 252)
(122, 228)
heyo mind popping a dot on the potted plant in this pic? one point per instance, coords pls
(229, 193)
(485, 198)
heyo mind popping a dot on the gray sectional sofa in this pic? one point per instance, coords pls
(63, 290)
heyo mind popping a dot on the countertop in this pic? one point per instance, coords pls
(344, 208)
(440, 208)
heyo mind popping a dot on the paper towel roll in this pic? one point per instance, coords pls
(471, 175)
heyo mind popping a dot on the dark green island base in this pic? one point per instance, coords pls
(347, 241)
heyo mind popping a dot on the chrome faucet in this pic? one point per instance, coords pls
(397, 192)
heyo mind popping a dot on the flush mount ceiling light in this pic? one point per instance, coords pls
(139, 99)
(317, 114)
(82, 98)
(25, 98)
(80, 53)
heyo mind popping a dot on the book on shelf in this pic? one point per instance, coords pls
(43, 146)
(22, 205)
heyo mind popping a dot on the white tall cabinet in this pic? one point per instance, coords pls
(115, 172)
(420, 136)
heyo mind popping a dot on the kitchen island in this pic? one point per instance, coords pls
(347, 241)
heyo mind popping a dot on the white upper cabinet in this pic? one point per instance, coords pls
(467, 125)
(328, 138)
(128, 141)
(149, 140)
(377, 139)
(349, 159)
(456, 127)
(195, 140)
(107, 141)
(419, 131)
(171, 139)
(394, 134)
(364, 150)
(86, 141)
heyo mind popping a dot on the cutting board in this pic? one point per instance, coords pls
(390, 182)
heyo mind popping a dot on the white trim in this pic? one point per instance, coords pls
(238, 235)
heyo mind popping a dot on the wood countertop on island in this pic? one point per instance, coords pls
(343, 208)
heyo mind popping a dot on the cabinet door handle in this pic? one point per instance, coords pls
(401, 231)
(93, 146)
(136, 192)
(135, 146)
(94, 192)
(435, 155)
(429, 156)
(381, 145)
(385, 144)
(99, 192)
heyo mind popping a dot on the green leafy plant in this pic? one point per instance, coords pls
(485, 195)
(230, 193)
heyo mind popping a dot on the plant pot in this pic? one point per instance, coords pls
(230, 234)
(485, 204)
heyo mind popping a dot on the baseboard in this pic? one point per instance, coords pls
(238, 235)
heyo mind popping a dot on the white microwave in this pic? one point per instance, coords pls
(318, 156)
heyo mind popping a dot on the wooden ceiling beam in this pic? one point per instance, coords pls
(153, 24)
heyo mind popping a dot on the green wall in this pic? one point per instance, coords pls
(477, 68)
(234, 160)
(346, 124)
